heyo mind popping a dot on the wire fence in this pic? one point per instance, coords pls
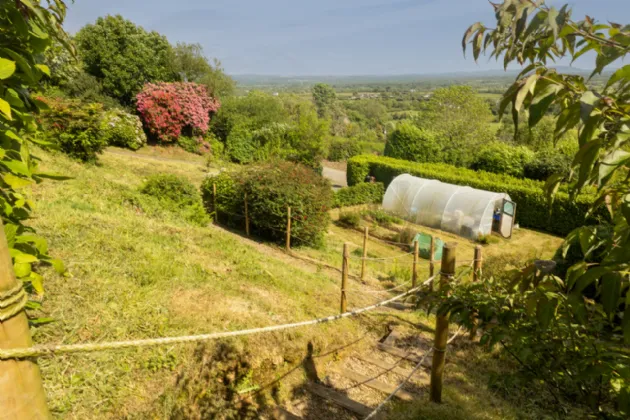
(402, 384)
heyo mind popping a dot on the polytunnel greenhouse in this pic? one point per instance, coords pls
(462, 210)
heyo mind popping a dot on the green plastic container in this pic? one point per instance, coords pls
(424, 246)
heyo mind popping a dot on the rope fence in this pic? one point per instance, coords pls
(49, 350)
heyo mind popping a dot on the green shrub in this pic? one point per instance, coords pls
(381, 217)
(76, 127)
(176, 194)
(503, 158)
(546, 164)
(196, 145)
(240, 145)
(532, 205)
(217, 147)
(229, 198)
(341, 149)
(271, 188)
(122, 129)
(349, 219)
(409, 142)
(364, 193)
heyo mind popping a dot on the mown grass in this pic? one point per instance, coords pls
(140, 271)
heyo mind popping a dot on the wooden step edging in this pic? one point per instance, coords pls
(387, 367)
(377, 385)
(339, 399)
(395, 351)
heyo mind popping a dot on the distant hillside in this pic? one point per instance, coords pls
(278, 80)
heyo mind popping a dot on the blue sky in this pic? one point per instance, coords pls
(325, 37)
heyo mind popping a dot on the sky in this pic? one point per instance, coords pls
(326, 37)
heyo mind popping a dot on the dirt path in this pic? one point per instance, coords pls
(337, 177)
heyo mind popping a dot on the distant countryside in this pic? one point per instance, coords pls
(197, 227)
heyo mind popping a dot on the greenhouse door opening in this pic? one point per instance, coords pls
(461, 210)
(508, 213)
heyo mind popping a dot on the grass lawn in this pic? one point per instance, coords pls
(138, 271)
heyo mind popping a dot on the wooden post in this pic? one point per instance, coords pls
(365, 241)
(476, 277)
(288, 229)
(414, 273)
(246, 217)
(477, 264)
(21, 391)
(214, 202)
(441, 326)
(344, 278)
(431, 263)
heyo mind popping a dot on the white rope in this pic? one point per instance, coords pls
(45, 350)
(415, 369)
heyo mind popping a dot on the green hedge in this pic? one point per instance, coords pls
(532, 206)
(364, 193)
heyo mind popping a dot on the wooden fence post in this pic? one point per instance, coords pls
(476, 277)
(441, 326)
(477, 264)
(344, 278)
(246, 216)
(214, 202)
(288, 229)
(365, 241)
(22, 393)
(431, 263)
(414, 273)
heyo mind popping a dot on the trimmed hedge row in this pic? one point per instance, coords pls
(532, 205)
(364, 193)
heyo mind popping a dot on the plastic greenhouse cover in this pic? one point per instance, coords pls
(462, 210)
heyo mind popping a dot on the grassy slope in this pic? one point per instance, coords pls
(138, 271)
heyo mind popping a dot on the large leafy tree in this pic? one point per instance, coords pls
(191, 65)
(28, 29)
(124, 56)
(324, 97)
(462, 117)
(567, 326)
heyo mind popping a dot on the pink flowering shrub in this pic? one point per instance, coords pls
(168, 108)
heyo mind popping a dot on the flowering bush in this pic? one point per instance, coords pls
(168, 109)
(119, 128)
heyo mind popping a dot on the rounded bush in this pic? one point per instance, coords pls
(75, 125)
(240, 145)
(270, 189)
(122, 129)
(412, 143)
(503, 158)
(274, 187)
(171, 188)
(545, 165)
(343, 149)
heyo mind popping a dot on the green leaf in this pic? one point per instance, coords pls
(21, 270)
(625, 207)
(574, 272)
(5, 108)
(24, 258)
(7, 68)
(587, 104)
(552, 22)
(589, 277)
(528, 87)
(56, 177)
(610, 163)
(541, 102)
(610, 291)
(626, 323)
(17, 167)
(16, 182)
(44, 69)
(545, 311)
(471, 30)
(37, 282)
(622, 73)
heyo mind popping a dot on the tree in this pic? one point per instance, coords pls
(567, 325)
(191, 65)
(27, 31)
(124, 56)
(188, 62)
(412, 143)
(324, 97)
(463, 117)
